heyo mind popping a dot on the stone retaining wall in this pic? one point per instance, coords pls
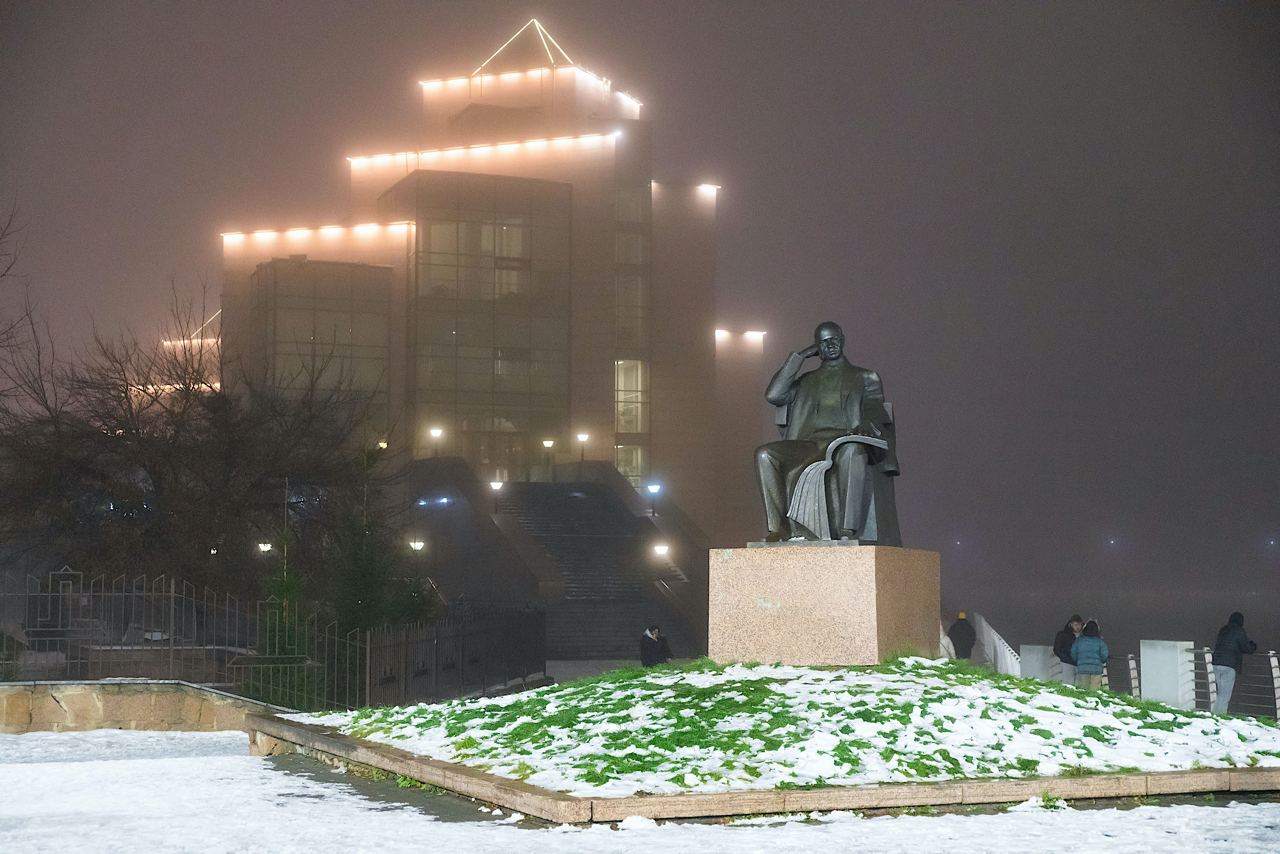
(122, 704)
(270, 734)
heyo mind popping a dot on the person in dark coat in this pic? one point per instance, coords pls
(962, 636)
(1062, 642)
(1090, 653)
(654, 649)
(1229, 651)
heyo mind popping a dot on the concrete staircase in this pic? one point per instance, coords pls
(604, 554)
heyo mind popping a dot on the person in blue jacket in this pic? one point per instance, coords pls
(1090, 653)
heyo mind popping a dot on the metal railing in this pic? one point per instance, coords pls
(1257, 687)
(65, 626)
(999, 655)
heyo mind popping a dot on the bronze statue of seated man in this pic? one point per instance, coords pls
(834, 400)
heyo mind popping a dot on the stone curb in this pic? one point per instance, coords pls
(270, 734)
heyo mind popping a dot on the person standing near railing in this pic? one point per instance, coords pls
(962, 636)
(1062, 642)
(1229, 651)
(1090, 653)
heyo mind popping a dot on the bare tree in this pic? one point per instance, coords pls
(132, 458)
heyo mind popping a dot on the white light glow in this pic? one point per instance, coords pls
(407, 158)
(298, 233)
(754, 335)
(264, 547)
(417, 545)
(367, 228)
(331, 230)
(436, 432)
(583, 437)
(654, 488)
(661, 549)
(233, 237)
(709, 189)
(548, 443)
(722, 334)
(264, 236)
(495, 485)
(398, 228)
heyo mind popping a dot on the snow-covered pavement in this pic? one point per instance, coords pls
(139, 791)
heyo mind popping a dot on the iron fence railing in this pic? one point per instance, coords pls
(67, 626)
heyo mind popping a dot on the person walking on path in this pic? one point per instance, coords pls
(654, 649)
(1228, 658)
(962, 636)
(1062, 642)
(1090, 653)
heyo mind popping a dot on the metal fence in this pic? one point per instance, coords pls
(67, 626)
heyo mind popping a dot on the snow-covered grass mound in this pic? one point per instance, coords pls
(703, 727)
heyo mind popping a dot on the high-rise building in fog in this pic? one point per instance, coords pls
(524, 274)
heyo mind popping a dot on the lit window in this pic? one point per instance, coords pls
(632, 462)
(631, 390)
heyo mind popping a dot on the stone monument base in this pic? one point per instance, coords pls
(796, 603)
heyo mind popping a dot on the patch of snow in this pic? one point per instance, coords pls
(169, 797)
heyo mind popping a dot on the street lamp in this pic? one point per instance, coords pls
(264, 547)
(436, 433)
(548, 444)
(496, 486)
(653, 489)
(661, 549)
(582, 452)
(382, 444)
(417, 545)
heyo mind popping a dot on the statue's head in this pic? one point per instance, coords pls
(829, 339)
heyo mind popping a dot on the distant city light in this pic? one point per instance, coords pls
(422, 502)
(661, 549)
(444, 500)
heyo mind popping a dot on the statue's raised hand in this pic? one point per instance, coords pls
(809, 352)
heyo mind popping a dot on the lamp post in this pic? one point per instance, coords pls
(661, 549)
(653, 489)
(547, 445)
(496, 486)
(436, 433)
(582, 452)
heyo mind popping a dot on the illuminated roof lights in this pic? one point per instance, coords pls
(361, 161)
(364, 229)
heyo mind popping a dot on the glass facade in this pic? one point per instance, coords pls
(632, 311)
(326, 323)
(490, 332)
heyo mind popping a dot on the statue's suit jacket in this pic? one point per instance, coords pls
(861, 399)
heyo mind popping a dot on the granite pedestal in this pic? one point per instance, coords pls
(832, 604)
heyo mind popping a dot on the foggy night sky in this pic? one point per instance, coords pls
(1054, 229)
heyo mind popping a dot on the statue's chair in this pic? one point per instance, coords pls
(811, 507)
